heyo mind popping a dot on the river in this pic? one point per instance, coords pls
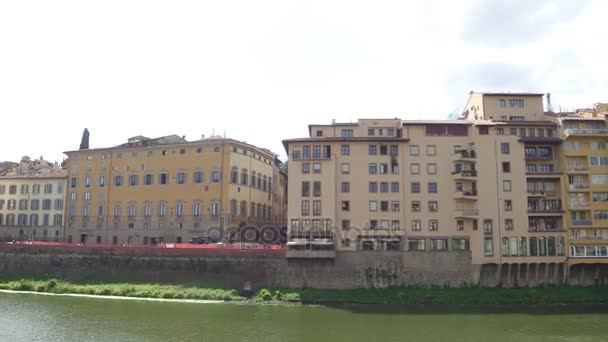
(30, 317)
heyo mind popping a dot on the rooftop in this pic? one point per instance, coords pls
(27, 168)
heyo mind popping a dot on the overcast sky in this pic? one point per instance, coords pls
(263, 70)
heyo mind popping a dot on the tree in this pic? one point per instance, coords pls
(84, 142)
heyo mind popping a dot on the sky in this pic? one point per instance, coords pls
(261, 71)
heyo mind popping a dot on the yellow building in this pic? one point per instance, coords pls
(489, 183)
(585, 135)
(32, 195)
(169, 189)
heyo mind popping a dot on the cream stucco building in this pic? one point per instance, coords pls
(32, 197)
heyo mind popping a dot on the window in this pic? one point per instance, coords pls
(506, 167)
(197, 177)
(395, 207)
(373, 206)
(87, 196)
(394, 186)
(390, 132)
(431, 150)
(488, 248)
(433, 225)
(459, 225)
(216, 177)
(370, 131)
(345, 187)
(24, 189)
(415, 169)
(394, 150)
(214, 208)
(345, 224)
(87, 183)
(316, 167)
(346, 133)
(506, 185)
(197, 208)
(601, 161)
(319, 133)
(600, 197)
(316, 208)
(12, 189)
(505, 148)
(373, 187)
(599, 179)
(345, 205)
(373, 168)
(415, 187)
(414, 244)
(431, 169)
(487, 226)
(372, 150)
(508, 205)
(345, 168)
(508, 224)
(502, 103)
(433, 206)
(416, 206)
(414, 150)
(162, 209)
(384, 187)
(116, 210)
(439, 244)
(316, 189)
(133, 180)
(383, 150)
(384, 206)
(305, 208)
(305, 167)
(132, 210)
(516, 103)
(181, 177)
(305, 189)
(117, 180)
(316, 151)
(432, 187)
(345, 150)
(179, 209)
(500, 131)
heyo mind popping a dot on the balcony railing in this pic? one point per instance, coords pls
(465, 173)
(466, 193)
(465, 154)
(585, 131)
(545, 229)
(580, 204)
(578, 186)
(579, 223)
(543, 172)
(537, 155)
(467, 212)
(589, 251)
(578, 169)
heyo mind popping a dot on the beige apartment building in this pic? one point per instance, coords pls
(32, 197)
(491, 183)
(168, 189)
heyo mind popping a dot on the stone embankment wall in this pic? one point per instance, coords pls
(268, 268)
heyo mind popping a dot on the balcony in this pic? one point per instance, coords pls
(546, 229)
(589, 251)
(581, 223)
(466, 194)
(574, 169)
(584, 131)
(464, 155)
(578, 187)
(538, 156)
(530, 173)
(546, 207)
(467, 213)
(464, 174)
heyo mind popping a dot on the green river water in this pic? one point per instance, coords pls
(29, 317)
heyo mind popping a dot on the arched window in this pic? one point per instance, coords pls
(269, 184)
(259, 213)
(264, 182)
(233, 208)
(252, 211)
(253, 179)
(234, 175)
(244, 177)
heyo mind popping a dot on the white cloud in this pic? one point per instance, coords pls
(265, 70)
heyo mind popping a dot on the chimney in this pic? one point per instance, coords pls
(549, 107)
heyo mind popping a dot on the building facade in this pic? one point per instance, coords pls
(169, 190)
(32, 197)
(493, 183)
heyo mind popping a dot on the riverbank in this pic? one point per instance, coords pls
(405, 295)
(438, 295)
